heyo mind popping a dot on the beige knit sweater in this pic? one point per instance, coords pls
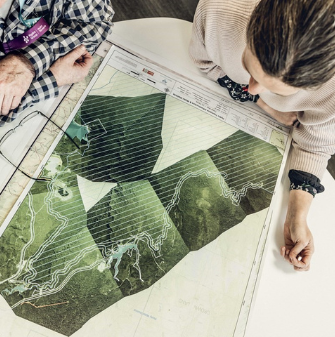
(218, 41)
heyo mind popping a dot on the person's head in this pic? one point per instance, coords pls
(290, 45)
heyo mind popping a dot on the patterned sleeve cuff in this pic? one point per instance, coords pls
(40, 55)
(41, 89)
(44, 87)
(26, 102)
(238, 92)
(304, 181)
(7, 119)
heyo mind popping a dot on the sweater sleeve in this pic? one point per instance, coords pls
(197, 48)
(73, 22)
(312, 147)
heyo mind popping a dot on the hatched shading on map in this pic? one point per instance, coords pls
(122, 214)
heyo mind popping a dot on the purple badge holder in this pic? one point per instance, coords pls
(28, 37)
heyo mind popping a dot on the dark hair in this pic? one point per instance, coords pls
(294, 40)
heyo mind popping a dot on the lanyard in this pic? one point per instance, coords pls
(36, 28)
(30, 22)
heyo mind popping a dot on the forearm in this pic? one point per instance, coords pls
(198, 51)
(298, 206)
(201, 60)
(265, 107)
(74, 23)
(286, 118)
(312, 147)
(270, 111)
(43, 88)
(299, 244)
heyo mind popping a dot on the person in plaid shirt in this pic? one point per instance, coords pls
(61, 56)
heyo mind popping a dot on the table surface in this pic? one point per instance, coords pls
(287, 303)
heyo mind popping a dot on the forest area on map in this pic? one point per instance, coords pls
(104, 226)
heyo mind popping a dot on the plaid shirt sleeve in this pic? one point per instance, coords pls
(72, 23)
(40, 89)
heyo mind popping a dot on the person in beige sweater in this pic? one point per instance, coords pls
(285, 51)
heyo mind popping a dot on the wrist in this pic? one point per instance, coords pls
(58, 78)
(261, 103)
(293, 221)
(19, 61)
(266, 108)
(298, 206)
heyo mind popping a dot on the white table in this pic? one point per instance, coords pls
(287, 303)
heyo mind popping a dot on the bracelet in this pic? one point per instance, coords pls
(238, 92)
(305, 181)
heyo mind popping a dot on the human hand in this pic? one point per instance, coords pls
(73, 67)
(286, 118)
(16, 75)
(299, 244)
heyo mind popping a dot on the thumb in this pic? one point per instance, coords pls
(295, 251)
(75, 54)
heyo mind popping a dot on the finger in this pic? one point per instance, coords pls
(75, 54)
(301, 265)
(296, 250)
(1, 99)
(87, 60)
(282, 251)
(299, 256)
(16, 102)
(79, 60)
(305, 260)
(6, 104)
(84, 55)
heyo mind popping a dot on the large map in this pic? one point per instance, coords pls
(149, 219)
